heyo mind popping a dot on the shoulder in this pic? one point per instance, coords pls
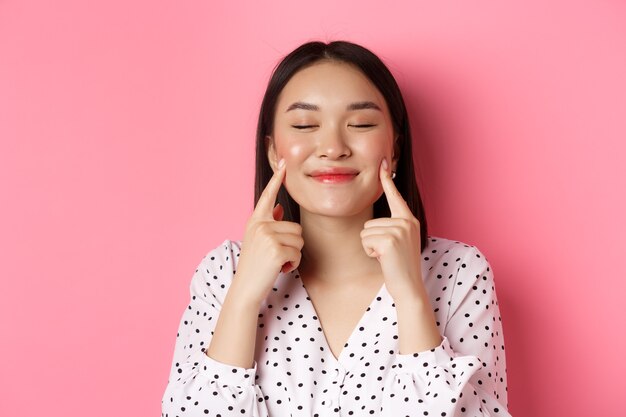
(216, 269)
(455, 257)
(224, 256)
(437, 245)
(459, 273)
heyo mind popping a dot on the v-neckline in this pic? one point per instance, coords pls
(338, 360)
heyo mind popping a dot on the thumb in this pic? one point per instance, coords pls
(278, 212)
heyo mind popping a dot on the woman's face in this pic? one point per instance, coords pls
(329, 117)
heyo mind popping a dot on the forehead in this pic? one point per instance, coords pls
(329, 83)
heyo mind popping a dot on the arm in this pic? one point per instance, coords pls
(214, 379)
(198, 384)
(235, 332)
(466, 374)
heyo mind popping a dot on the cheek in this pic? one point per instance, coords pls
(374, 149)
(292, 150)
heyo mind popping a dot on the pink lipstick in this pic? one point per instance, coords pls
(337, 175)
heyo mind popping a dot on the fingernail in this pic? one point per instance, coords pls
(281, 163)
(385, 164)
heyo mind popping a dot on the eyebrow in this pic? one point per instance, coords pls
(360, 105)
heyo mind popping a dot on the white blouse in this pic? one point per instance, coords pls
(295, 373)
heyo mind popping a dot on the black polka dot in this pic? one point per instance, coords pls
(295, 367)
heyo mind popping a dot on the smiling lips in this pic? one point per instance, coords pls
(334, 175)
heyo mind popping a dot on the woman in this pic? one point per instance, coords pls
(337, 302)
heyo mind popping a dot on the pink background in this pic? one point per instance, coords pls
(126, 154)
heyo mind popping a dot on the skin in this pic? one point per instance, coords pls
(336, 137)
(370, 250)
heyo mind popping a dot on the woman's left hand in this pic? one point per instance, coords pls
(395, 242)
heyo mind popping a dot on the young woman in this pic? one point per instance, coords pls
(337, 302)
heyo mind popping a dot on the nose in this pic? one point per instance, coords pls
(332, 145)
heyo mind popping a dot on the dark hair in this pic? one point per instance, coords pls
(374, 69)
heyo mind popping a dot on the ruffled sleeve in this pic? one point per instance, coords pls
(199, 385)
(466, 374)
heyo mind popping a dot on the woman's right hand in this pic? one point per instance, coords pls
(269, 245)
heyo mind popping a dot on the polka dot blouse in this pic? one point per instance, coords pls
(295, 373)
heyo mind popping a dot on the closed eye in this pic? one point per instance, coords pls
(363, 125)
(303, 126)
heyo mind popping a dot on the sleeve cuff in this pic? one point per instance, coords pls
(224, 374)
(426, 359)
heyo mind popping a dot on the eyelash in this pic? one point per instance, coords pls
(361, 126)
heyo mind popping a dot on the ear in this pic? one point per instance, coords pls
(271, 152)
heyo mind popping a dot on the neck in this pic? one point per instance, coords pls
(333, 253)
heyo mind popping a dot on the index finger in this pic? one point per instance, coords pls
(265, 205)
(397, 205)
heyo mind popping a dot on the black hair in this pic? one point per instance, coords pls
(376, 71)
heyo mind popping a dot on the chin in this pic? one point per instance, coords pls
(334, 205)
(337, 210)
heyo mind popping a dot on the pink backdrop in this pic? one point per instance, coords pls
(126, 154)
